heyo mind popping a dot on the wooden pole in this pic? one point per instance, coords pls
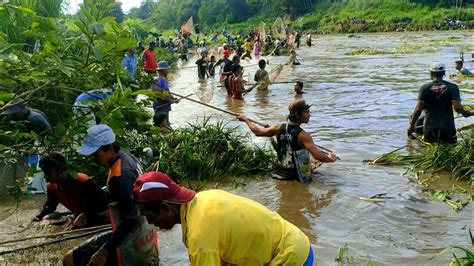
(106, 226)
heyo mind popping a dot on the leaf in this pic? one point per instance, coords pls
(98, 54)
(108, 19)
(60, 129)
(98, 28)
(25, 9)
(144, 92)
(6, 96)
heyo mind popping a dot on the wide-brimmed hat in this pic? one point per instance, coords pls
(16, 108)
(163, 65)
(158, 187)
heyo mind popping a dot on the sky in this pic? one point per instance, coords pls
(126, 5)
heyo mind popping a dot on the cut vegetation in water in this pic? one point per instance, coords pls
(209, 151)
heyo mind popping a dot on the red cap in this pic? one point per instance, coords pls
(157, 187)
(226, 52)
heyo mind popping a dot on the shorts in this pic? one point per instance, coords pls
(310, 260)
(432, 135)
(160, 117)
(83, 253)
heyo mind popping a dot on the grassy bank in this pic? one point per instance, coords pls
(353, 16)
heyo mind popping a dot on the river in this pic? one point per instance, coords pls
(361, 109)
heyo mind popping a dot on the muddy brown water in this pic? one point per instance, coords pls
(361, 109)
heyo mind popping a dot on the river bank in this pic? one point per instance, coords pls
(361, 109)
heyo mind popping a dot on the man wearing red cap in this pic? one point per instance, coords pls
(293, 143)
(220, 228)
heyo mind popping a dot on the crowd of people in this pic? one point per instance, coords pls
(218, 228)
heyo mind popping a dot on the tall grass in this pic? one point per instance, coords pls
(209, 151)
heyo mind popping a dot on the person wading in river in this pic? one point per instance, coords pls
(149, 60)
(293, 143)
(460, 68)
(202, 66)
(220, 228)
(80, 194)
(299, 88)
(133, 241)
(261, 76)
(162, 107)
(438, 98)
(236, 82)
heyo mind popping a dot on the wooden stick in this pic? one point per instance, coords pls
(234, 114)
(465, 127)
(217, 108)
(53, 241)
(99, 227)
(173, 101)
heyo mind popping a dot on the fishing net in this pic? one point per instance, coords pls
(189, 26)
(261, 28)
(204, 92)
(278, 29)
(286, 19)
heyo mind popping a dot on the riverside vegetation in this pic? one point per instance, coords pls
(83, 53)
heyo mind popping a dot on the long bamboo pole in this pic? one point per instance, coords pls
(106, 226)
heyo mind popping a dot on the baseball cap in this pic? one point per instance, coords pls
(97, 136)
(163, 65)
(158, 187)
(16, 108)
(437, 67)
(459, 61)
(298, 106)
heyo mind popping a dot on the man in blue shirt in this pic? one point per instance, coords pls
(162, 106)
(130, 63)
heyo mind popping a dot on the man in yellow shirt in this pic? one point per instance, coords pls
(220, 228)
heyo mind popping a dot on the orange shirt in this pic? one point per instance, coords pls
(149, 60)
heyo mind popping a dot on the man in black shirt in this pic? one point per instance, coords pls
(202, 66)
(133, 241)
(438, 98)
(290, 139)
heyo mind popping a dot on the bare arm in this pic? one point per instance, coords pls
(260, 131)
(460, 109)
(305, 140)
(416, 114)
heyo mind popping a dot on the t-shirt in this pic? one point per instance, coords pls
(438, 99)
(149, 60)
(465, 71)
(222, 227)
(202, 68)
(122, 175)
(130, 64)
(38, 122)
(260, 75)
(81, 195)
(162, 85)
(248, 46)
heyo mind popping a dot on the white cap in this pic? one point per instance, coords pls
(437, 67)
